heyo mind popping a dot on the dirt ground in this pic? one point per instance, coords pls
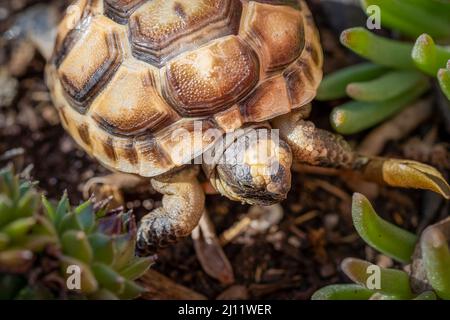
(285, 252)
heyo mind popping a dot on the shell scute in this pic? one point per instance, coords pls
(90, 64)
(162, 29)
(153, 160)
(121, 10)
(187, 139)
(230, 119)
(269, 100)
(211, 78)
(130, 104)
(275, 32)
(304, 76)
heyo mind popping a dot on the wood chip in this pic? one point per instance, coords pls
(306, 217)
(160, 287)
(210, 253)
(259, 290)
(396, 128)
(8, 88)
(236, 292)
(234, 231)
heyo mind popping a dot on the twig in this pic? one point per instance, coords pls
(159, 287)
(396, 128)
(210, 253)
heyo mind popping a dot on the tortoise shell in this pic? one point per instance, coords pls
(126, 74)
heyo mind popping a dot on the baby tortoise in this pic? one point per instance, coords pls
(125, 75)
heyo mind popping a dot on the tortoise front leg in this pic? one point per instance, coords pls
(182, 207)
(318, 147)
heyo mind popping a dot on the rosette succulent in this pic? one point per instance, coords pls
(43, 244)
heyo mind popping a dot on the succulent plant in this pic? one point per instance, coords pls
(397, 73)
(41, 242)
(444, 80)
(427, 258)
(18, 203)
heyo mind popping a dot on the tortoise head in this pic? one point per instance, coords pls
(255, 168)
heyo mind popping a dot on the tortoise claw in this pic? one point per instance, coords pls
(406, 174)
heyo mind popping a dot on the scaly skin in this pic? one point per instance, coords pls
(182, 207)
(318, 147)
(311, 145)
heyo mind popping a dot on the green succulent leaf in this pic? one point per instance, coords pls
(334, 85)
(428, 56)
(44, 226)
(103, 248)
(356, 116)
(382, 51)
(61, 210)
(9, 185)
(103, 294)
(5, 209)
(88, 281)
(125, 250)
(388, 297)
(131, 290)
(380, 234)
(413, 17)
(70, 221)
(86, 216)
(343, 292)
(427, 295)
(393, 282)
(136, 268)
(18, 228)
(109, 278)
(436, 258)
(444, 80)
(27, 205)
(386, 87)
(4, 241)
(76, 244)
(49, 209)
